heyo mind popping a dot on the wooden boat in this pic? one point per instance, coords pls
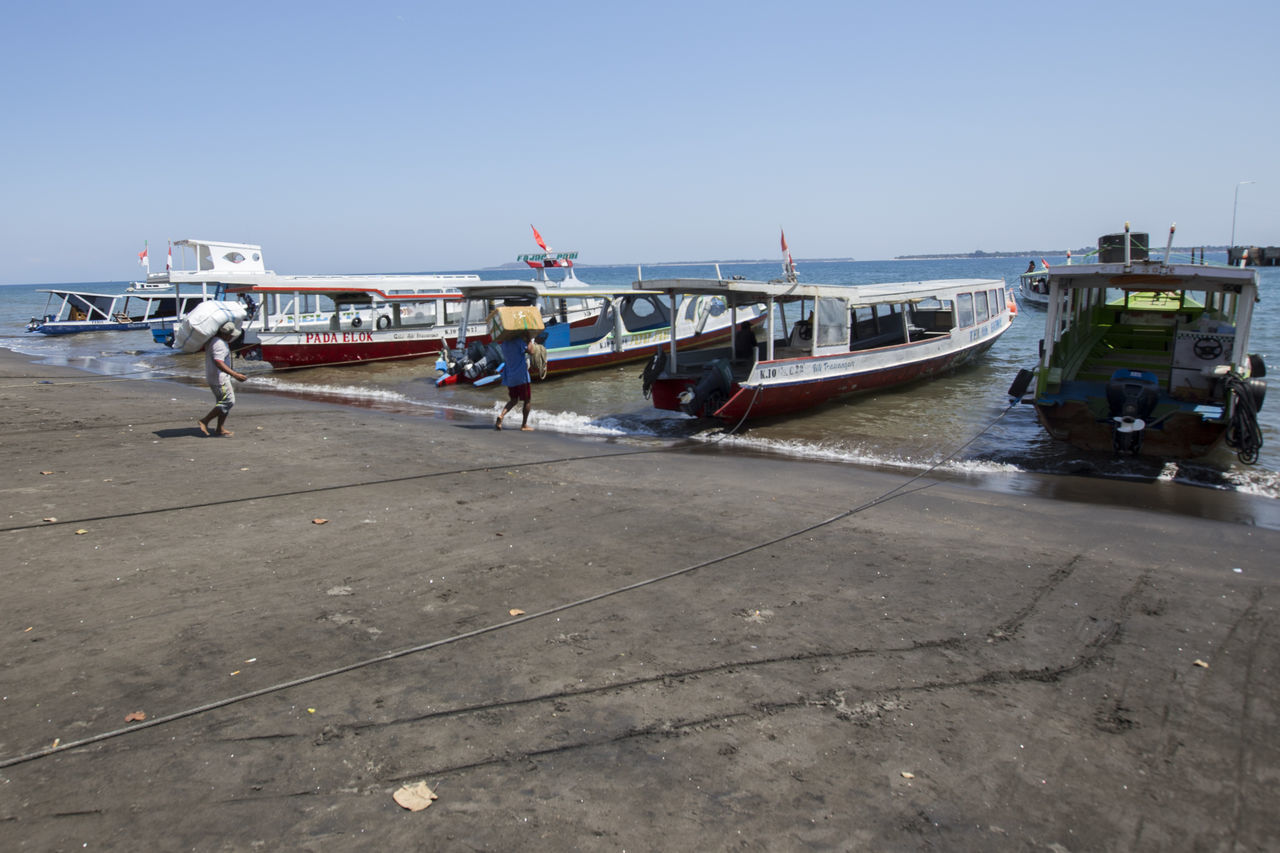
(590, 326)
(1146, 356)
(843, 339)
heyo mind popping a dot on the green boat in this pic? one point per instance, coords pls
(1146, 356)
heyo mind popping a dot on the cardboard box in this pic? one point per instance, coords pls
(509, 321)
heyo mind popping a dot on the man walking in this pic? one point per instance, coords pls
(515, 376)
(218, 372)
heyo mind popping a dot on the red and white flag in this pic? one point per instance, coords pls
(537, 238)
(1044, 263)
(168, 265)
(789, 266)
(142, 256)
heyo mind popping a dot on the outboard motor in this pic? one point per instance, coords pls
(1131, 397)
(484, 359)
(711, 392)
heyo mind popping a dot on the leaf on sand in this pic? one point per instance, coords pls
(45, 473)
(81, 532)
(906, 774)
(1200, 663)
(135, 716)
(51, 519)
(319, 521)
(516, 611)
(415, 797)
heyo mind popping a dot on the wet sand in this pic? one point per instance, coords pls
(715, 651)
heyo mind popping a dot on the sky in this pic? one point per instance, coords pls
(429, 136)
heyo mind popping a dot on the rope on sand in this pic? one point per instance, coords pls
(896, 492)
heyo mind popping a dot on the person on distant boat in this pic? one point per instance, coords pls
(1031, 266)
(218, 372)
(516, 378)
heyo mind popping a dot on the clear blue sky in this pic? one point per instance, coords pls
(395, 136)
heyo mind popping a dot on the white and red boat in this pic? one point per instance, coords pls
(842, 339)
(590, 326)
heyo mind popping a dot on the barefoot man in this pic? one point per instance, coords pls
(219, 373)
(515, 375)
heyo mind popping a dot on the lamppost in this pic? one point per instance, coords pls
(1235, 205)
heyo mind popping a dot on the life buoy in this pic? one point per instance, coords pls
(356, 321)
(384, 322)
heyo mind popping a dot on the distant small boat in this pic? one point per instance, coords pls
(1033, 287)
(1142, 356)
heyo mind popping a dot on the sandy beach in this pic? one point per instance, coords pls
(586, 645)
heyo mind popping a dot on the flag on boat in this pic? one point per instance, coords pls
(537, 238)
(789, 266)
(168, 265)
(142, 256)
(1044, 263)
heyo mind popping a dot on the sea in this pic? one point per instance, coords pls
(960, 426)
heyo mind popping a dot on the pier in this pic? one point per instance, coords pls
(1254, 256)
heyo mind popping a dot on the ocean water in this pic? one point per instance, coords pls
(960, 425)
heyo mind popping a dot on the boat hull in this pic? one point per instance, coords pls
(769, 392)
(318, 349)
(74, 328)
(643, 347)
(1181, 435)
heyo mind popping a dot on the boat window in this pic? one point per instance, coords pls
(964, 302)
(418, 313)
(643, 312)
(833, 317)
(477, 311)
(864, 323)
(980, 304)
(887, 319)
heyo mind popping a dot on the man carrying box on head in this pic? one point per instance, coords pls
(515, 376)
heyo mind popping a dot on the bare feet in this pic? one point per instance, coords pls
(498, 423)
(526, 428)
(225, 433)
(204, 428)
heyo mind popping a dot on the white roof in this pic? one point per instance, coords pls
(1152, 275)
(742, 291)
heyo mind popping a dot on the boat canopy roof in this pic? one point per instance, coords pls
(570, 288)
(390, 287)
(83, 294)
(1152, 275)
(746, 292)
